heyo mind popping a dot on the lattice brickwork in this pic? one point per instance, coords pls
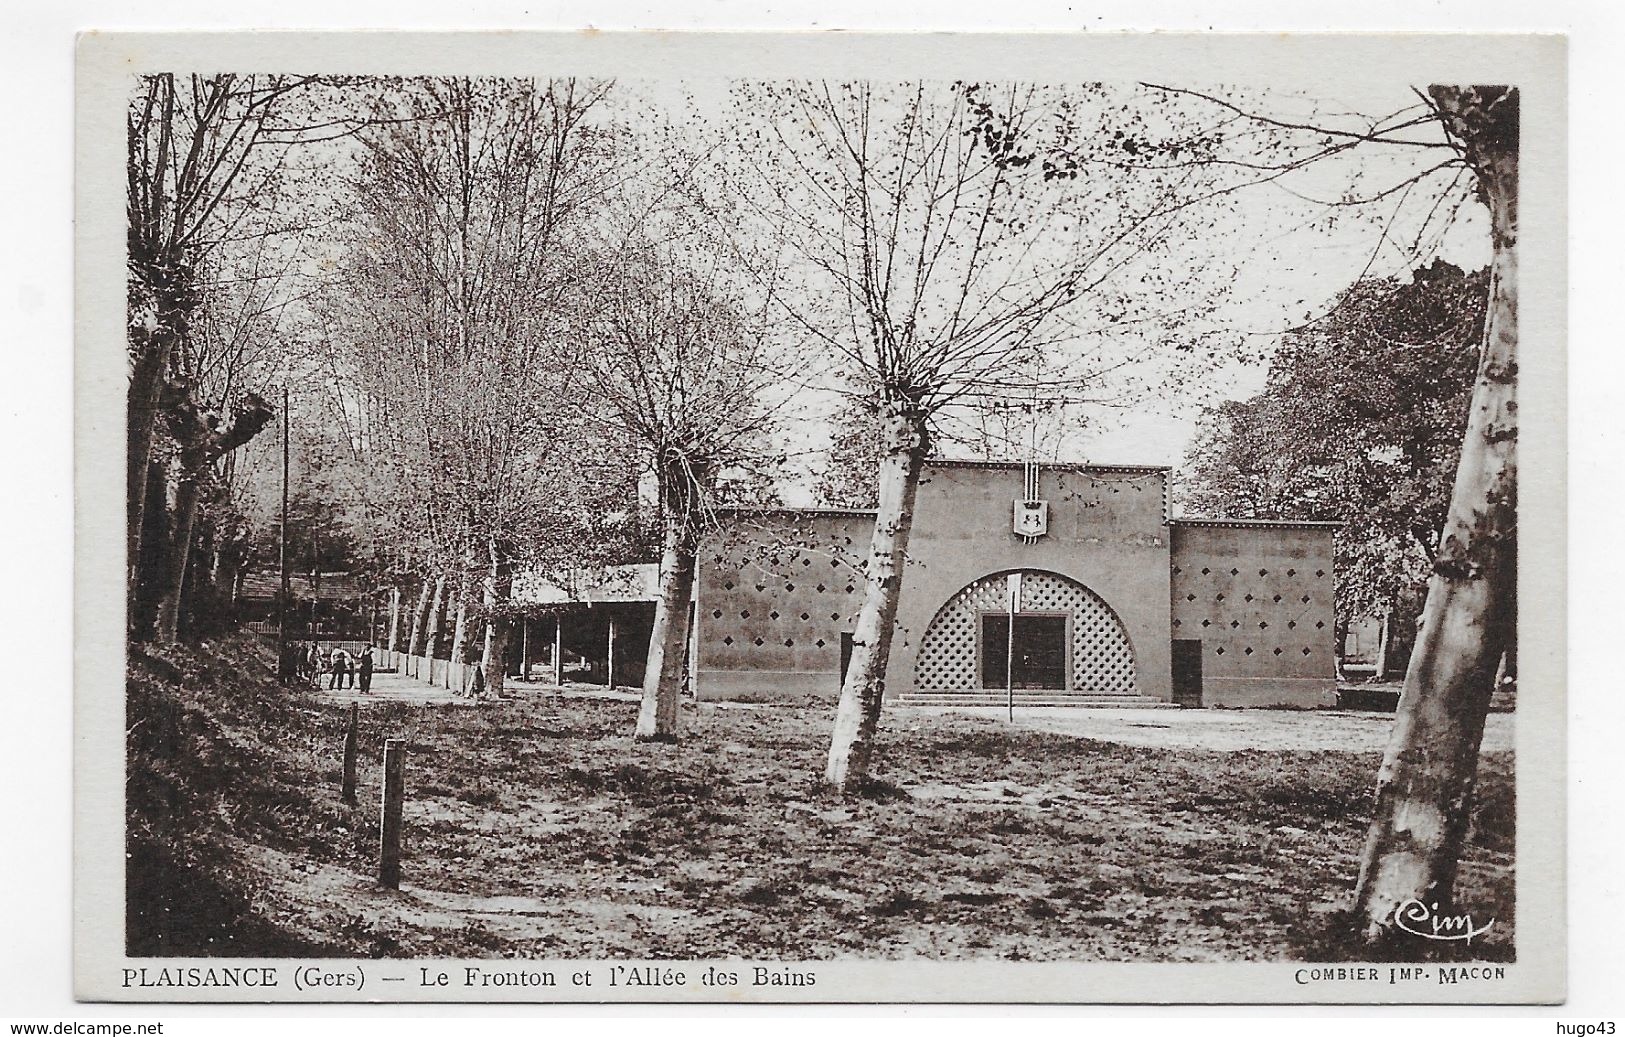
(776, 592)
(1261, 601)
(1102, 658)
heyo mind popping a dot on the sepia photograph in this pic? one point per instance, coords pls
(722, 522)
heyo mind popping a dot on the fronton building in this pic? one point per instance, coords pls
(1114, 602)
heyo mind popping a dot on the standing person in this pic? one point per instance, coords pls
(315, 656)
(341, 669)
(287, 664)
(364, 668)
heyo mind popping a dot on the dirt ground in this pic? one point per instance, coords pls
(1230, 730)
(537, 827)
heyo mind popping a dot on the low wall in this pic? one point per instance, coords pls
(768, 686)
(441, 672)
(1263, 692)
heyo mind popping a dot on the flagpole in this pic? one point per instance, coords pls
(1010, 669)
(1013, 586)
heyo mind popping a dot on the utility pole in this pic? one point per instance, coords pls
(282, 556)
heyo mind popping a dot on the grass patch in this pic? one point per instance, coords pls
(539, 827)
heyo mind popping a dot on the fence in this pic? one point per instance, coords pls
(442, 672)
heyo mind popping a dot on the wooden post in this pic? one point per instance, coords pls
(609, 681)
(1382, 649)
(524, 649)
(558, 651)
(347, 789)
(1010, 667)
(389, 842)
(1013, 582)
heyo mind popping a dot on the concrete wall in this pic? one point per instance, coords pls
(777, 589)
(773, 594)
(1106, 532)
(1260, 599)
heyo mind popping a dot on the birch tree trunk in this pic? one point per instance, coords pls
(179, 555)
(497, 587)
(668, 640)
(431, 629)
(1425, 787)
(420, 617)
(858, 716)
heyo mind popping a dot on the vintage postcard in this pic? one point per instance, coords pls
(820, 518)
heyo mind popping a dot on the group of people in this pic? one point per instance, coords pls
(342, 669)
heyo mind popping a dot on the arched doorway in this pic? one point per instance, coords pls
(1067, 639)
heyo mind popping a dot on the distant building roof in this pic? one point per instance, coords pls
(616, 583)
(306, 586)
(775, 509)
(1238, 523)
(1068, 466)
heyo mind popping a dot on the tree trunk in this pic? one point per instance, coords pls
(201, 441)
(187, 495)
(1340, 636)
(151, 566)
(1425, 786)
(431, 629)
(1382, 646)
(459, 634)
(558, 649)
(524, 649)
(420, 618)
(668, 640)
(394, 620)
(497, 587)
(153, 350)
(858, 716)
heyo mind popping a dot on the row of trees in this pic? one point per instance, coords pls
(518, 299)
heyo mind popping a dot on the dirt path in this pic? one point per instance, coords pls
(397, 687)
(394, 687)
(1226, 730)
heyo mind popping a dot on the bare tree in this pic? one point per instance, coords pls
(961, 242)
(207, 157)
(677, 356)
(453, 278)
(1425, 786)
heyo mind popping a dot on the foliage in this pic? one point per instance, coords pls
(449, 380)
(853, 457)
(1360, 420)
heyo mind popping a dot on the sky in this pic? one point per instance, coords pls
(1291, 261)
